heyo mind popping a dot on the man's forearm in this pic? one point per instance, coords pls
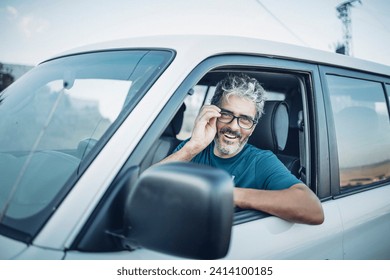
(296, 204)
(186, 153)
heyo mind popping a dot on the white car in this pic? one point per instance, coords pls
(80, 131)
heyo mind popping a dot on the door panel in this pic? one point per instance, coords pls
(366, 220)
(274, 238)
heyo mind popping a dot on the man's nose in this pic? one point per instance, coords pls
(234, 125)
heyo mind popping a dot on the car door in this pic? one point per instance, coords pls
(358, 106)
(259, 236)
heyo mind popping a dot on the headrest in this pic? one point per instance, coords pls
(174, 126)
(272, 129)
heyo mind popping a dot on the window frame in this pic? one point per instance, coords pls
(336, 190)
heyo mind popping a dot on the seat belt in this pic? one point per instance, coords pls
(302, 147)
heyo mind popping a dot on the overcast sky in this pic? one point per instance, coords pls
(31, 31)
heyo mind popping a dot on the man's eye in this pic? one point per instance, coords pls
(246, 120)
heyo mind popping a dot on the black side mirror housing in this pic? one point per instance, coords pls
(181, 209)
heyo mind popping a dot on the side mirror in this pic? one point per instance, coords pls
(181, 209)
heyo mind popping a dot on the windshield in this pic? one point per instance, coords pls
(54, 117)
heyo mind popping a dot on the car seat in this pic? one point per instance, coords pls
(271, 133)
(165, 145)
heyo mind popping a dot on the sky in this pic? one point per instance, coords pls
(33, 30)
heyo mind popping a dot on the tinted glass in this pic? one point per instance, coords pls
(362, 130)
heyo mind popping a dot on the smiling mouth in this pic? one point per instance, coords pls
(230, 136)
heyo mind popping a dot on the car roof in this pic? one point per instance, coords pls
(203, 46)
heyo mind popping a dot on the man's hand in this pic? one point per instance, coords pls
(203, 133)
(205, 128)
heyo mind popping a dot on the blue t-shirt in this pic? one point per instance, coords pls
(251, 168)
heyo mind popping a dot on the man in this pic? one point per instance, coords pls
(219, 139)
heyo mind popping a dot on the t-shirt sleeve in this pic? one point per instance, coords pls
(180, 146)
(277, 176)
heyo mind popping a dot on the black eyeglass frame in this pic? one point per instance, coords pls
(223, 111)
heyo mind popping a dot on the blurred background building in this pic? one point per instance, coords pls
(10, 73)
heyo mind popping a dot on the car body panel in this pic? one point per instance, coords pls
(366, 223)
(37, 253)
(192, 46)
(274, 238)
(10, 248)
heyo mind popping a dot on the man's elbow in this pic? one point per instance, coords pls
(317, 217)
(312, 213)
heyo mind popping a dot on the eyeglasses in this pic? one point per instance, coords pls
(244, 122)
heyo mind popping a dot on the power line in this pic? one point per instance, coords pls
(376, 18)
(281, 23)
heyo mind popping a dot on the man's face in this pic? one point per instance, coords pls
(231, 138)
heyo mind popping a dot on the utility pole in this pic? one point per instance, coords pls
(345, 15)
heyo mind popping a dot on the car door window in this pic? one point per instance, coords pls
(362, 127)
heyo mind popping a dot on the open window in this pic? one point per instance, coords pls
(284, 96)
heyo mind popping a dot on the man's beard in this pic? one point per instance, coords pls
(226, 147)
